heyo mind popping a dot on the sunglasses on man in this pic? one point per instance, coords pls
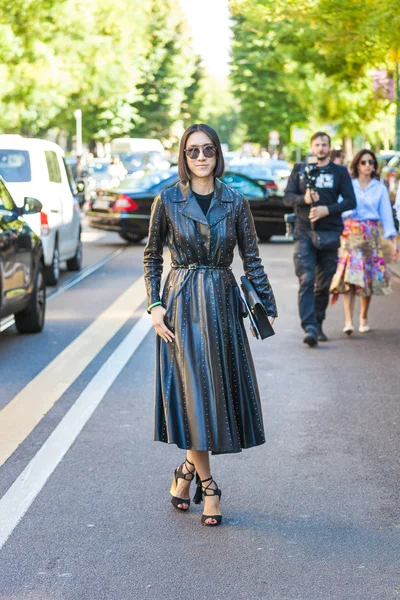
(194, 151)
(367, 162)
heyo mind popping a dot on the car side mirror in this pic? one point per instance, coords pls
(31, 206)
(80, 186)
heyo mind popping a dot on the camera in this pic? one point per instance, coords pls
(311, 172)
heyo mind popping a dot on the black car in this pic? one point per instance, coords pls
(22, 286)
(272, 174)
(126, 209)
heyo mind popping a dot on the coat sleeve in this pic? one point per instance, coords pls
(248, 250)
(348, 198)
(386, 214)
(153, 252)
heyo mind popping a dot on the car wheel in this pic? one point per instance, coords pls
(31, 320)
(52, 273)
(75, 263)
(132, 238)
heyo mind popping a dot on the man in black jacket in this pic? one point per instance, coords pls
(317, 231)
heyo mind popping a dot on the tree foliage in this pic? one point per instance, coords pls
(311, 61)
(127, 65)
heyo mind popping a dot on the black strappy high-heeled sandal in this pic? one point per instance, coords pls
(179, 474)
(207, 491)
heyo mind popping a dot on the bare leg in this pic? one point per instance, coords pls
(201, 460)
(349, 302)
(365, 302)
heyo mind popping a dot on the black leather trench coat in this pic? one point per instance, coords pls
(206, 392)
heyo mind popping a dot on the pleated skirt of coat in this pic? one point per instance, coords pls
(206, 392)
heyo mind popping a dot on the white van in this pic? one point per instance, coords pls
(35, 168)
(140, 154)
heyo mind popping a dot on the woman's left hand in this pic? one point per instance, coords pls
(271, 320)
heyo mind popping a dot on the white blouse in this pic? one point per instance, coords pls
(373, 203)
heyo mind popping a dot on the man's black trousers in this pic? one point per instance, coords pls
(315, 269)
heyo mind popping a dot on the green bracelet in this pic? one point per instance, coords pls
(153, 305)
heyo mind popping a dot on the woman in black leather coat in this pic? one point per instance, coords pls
(206, 396)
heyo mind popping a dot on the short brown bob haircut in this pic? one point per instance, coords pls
(183, 169)
(354, 171)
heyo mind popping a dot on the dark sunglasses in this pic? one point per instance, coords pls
(194, 151)
(367, 162)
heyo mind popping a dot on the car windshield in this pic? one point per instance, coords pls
(280, 166)
(148, 182)
(253, 171)
(132, 159)
(100, 167)
(15, 165)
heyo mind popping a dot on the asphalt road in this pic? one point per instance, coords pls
(84, 511)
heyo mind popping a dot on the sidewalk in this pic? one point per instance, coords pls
(394, 268)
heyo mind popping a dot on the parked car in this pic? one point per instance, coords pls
(390, 175)
(266, 204)
(22, 285)
(35, 168)
(383, 158)
(101, 176)
(126, 209)
(77, 177)
(272, 174)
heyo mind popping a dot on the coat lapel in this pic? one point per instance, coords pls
(188, 205)
(220, 204)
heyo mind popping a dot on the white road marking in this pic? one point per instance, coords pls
(17, 500)
(21, 415)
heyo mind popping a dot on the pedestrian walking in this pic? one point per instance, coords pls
(338, 157)
(314, 193)
(206, 393)
(361, 269)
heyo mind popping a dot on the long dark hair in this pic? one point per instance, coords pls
(183, 169)
(356, 161)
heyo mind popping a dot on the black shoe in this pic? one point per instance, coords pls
(311, 337)
(179, 474)
(207, 490)
(320, 334)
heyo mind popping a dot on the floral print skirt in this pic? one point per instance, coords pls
(361, 262)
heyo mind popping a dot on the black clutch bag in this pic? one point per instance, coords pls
(259, 321)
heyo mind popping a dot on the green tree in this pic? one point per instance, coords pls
(127, 65)
(169, 64)
(314, 59)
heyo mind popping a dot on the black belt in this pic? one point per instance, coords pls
(194, 266)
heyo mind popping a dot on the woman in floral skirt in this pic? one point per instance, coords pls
(361, 267)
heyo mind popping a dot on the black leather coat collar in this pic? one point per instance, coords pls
(189, 207)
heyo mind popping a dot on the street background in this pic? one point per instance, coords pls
(311, 514)
(85, 511)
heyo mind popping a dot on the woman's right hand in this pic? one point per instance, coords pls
(157, 314)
